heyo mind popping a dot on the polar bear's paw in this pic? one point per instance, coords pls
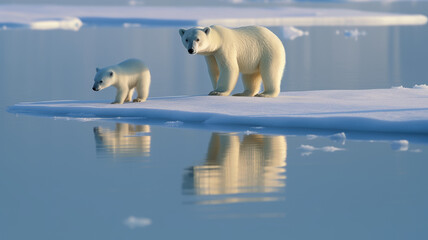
(116, 103)
(264, 95)
(243, 94)
(139, 100)
(216, 93)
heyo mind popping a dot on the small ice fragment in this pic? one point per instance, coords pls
(354, 34)
(331, 149)
(174, 123)
(308, 148)
(339, 137)
(421, 86)
(311, 137)
(400, 146)
(248, 132)
(134, 222)
(293, 33)
(131, 25)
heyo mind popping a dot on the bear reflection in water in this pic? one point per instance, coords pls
(126, 140)
(254, 165)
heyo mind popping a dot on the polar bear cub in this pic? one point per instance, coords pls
(254, 51)
(126, 76)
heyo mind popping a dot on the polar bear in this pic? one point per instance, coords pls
(254, 51)
(126, 76)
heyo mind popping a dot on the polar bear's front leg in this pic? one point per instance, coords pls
(129, 96)
(212, 70)
(121, 94)
(227, 80)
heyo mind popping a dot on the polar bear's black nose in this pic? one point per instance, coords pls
(191, 51)
(94, 89)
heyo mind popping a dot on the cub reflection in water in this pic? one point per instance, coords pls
(126, 140)
(254, 165)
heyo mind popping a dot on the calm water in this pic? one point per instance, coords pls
(67, 178)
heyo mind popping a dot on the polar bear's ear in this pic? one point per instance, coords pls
(97, 69)
(182, 31)
(207, 30)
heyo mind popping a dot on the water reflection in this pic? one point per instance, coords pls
(126, 140)
(255, 164)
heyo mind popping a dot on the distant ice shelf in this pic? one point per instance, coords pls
(396, 110)
(46, 17)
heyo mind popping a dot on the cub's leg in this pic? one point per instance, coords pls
(143, 87)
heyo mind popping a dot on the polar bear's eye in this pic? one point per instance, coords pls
(197, 39)
(187, 40)
(111, 74)
(101, 81)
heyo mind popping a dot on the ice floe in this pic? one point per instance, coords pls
(396, 110)
(46, 17)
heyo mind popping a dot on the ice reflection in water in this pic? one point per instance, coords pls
(255, 164)
(126, 140)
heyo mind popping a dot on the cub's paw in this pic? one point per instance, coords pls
(139, 100)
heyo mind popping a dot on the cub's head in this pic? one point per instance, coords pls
(103, 78)
(195, 40)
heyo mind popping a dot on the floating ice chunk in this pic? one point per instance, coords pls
(311, 136)
(131, 25)
(422, 86)
(401, 145)
(174, 123)
(308, 149)
(73, 24)
(134, 222)
(338, 137)
(353, 34)
(248, 132)
(293, 33)
(331, 149)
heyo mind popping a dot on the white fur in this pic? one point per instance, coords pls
(126, 76)
(254, 51)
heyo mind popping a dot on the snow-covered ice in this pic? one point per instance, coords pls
(44, 17)
(398, 110)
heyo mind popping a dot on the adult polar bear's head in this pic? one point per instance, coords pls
(195, 40)
(105, 77)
